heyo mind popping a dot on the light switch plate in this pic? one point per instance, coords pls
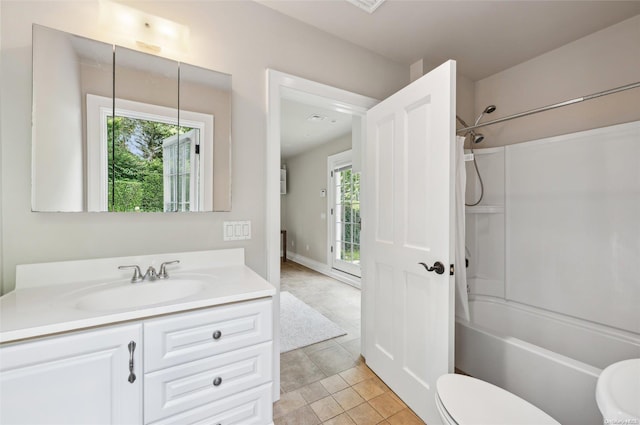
(236, 230)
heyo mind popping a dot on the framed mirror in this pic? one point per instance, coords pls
(123, 131)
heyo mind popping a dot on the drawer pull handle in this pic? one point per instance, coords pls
(217, 335)
(217, 381)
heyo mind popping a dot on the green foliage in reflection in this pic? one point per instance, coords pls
(135, 163)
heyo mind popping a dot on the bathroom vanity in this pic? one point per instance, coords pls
(203, 354)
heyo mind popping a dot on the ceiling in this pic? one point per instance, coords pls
(304, 127)
(484, 37)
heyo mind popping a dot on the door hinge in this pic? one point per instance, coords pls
(451, 269)
(332, 249)
(332, 174)
(331, 211)
(197, 149)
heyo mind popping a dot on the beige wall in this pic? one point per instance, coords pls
(302, 206)
(465, 93)
(465, 88)
(241, 38)
(603, 60)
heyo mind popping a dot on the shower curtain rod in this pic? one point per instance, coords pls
(554, 106)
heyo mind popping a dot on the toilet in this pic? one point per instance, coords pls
(618, 392)
(463, 400)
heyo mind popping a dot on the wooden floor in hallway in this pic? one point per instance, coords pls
(329, 382)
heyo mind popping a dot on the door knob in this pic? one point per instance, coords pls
(438, 267)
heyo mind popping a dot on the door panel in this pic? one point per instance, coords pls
(384, 319)
(40, 378)
(384, 176)
(408, 198)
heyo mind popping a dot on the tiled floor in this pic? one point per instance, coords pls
(329, 383)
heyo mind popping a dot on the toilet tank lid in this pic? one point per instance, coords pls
(618, 391)
(472, 401)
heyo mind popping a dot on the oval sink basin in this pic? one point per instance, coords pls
(139, 294)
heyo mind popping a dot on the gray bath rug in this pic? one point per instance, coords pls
(301, 325)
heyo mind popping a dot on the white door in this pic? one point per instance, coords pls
(80, 378)
(408, 190)
(344, 214)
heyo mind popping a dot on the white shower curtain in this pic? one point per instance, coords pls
(462, 301)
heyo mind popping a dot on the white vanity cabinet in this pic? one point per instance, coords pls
(212, 366)
(203, 336)
(76, 378)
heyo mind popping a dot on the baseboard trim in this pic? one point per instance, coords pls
(324, 269)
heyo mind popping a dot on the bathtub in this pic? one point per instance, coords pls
(548, 359)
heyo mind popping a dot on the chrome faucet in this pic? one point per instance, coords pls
(150, 273)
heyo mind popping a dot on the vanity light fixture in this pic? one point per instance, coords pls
(135, 28)
(367, 5)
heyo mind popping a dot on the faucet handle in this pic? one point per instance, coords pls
(162, 274)
(137, 275)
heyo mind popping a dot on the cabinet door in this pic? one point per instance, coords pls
(81, 378)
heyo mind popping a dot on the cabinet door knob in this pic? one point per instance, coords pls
(217, 335)
(217, 381)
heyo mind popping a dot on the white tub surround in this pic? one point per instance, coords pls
(46, 297)
(196, 347)
(553, 268)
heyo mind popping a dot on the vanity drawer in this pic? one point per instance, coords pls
(252, 407)
(177, 389)
(196, 335)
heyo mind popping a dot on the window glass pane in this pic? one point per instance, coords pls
(348, 232)
(346, 253)
(355, 212)
(356, 233)
(346, 213)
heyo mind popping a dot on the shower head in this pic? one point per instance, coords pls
(488, 110)
(477, 137)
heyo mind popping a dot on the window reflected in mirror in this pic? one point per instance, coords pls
(140, 133)
(154, 170)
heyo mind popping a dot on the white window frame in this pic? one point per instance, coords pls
(99, 108)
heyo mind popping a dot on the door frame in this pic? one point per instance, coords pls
(285, 86)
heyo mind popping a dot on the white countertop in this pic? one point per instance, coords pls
(38, 311)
